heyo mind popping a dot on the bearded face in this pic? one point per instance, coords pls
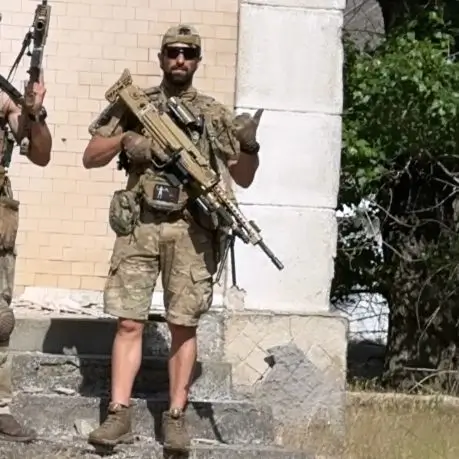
(179, 63)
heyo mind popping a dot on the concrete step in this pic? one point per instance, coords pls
(90, 375)
(78, 449)
(83, 335)
(232, 422)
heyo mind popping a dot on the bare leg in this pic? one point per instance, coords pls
(182, 360)
(126, 359)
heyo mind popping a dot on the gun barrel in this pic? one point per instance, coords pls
(41, 21)
(277, 263)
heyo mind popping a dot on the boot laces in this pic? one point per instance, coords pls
(177, 424)
(111, 420)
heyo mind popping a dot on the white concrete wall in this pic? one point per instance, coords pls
(290, 63)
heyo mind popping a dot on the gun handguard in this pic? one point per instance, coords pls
(178, 153)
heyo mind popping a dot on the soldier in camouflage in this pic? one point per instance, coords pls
(39, 154)
(161, 232)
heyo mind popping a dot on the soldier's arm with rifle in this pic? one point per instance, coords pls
(110, 135)
(39, 151)
(26, 114)
(107, 139)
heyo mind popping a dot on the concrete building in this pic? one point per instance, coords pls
(282, 55)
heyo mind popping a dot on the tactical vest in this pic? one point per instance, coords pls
(157, 192)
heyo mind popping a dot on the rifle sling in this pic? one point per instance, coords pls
(25, 45)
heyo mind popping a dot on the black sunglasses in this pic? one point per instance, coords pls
(172, 52)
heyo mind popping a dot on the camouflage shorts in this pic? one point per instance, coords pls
(9, 221)
(183, 254)
(7, 268)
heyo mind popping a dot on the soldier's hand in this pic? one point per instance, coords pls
(37, 95)
(245, 130)
(137, 147)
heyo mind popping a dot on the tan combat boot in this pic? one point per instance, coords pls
(175, 433)
(115, 429)
(11, 430)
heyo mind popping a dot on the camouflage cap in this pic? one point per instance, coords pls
(182, 33)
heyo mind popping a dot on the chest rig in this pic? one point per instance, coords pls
(156, 188)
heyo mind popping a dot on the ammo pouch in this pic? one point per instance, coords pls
(124, 212)
(159, 194)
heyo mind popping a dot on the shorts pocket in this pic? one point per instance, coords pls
(199, 273)
(202, 289)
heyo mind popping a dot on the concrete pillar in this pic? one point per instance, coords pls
(290, 63)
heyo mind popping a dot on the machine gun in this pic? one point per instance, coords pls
(37, 36)
(177, 153)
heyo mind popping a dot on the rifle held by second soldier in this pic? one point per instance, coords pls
(37, 36)
(190, 168)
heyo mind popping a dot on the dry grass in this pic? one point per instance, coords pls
(390, 427)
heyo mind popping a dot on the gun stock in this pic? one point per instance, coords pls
(178, 153)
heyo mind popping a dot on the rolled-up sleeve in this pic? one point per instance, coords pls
(110, 122)
(225, 141)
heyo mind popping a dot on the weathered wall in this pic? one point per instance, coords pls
(64, 239)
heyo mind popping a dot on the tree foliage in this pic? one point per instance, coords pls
(400, 15)
(400, 172)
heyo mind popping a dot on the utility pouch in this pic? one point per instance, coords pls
(124, 212)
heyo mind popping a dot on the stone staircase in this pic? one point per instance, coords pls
(61, 372)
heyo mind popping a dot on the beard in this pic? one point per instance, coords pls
(179, 77)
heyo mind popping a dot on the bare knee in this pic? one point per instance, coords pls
(180, 333)
(130, 328)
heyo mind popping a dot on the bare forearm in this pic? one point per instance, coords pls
(40, 137)
(40, 144)
(243, 172)
(101, 150)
